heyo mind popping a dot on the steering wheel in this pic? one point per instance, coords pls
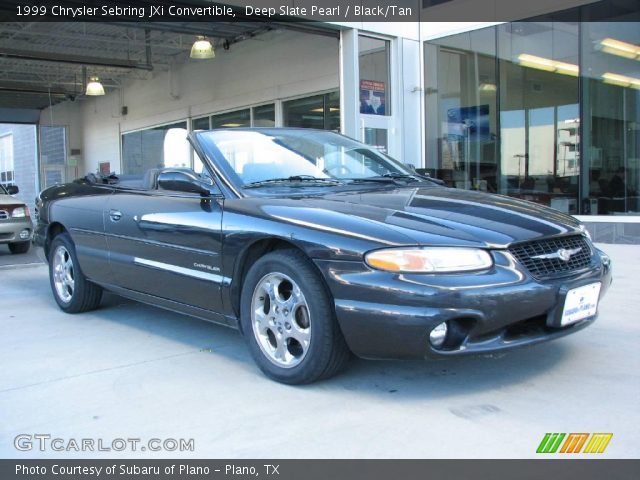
(338, 170)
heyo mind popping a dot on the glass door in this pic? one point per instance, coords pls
(54, 163)
(377, 126)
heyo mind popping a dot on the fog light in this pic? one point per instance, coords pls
(438, 335)
(24, 234)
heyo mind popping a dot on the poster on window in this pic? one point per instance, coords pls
(469, 122)
(372, 97)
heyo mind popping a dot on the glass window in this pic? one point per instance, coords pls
(565, 134)
(540, 115)
(373, 61)
(332, 111)
(611, 52)
(53, 155)
(318, 111)
(238, 118)
(200, 123)
(508, 116)
(157, 147)
(6, 160)
(264, 116)
(462, 88)
(254, 156)
(304, 112)
(377, 137)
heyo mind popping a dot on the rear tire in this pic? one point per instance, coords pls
(20, 247)
(71, 289)
(288, 320)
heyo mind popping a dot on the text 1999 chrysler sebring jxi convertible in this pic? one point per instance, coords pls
(316, 246)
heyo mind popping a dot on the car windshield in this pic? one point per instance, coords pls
(297, 155)
(3, 190)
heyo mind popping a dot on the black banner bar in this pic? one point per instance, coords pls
(316, 10)
(556, 469)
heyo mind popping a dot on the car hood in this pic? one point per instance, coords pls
(428, 216)
(9, 200)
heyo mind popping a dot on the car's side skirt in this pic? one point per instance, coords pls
(173, 306)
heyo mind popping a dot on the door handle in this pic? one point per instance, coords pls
(115, 215)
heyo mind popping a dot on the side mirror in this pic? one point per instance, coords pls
(181, 181)
(12, 189)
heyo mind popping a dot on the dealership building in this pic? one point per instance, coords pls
(543, 108)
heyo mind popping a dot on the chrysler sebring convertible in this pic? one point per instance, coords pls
(317, 247)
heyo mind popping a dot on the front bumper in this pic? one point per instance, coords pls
(10, 230)
(387, 315)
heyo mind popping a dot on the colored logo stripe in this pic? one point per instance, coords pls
(574, 442)
(598, 442)
(550, 443)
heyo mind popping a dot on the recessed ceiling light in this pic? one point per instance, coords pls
(548, 65)
(621, 80)
(619, 48)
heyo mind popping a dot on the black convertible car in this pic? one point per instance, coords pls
(317, 247)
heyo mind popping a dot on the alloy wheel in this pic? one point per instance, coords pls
(63, 274)
(280, 319)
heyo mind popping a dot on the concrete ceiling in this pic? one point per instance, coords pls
(43, 63)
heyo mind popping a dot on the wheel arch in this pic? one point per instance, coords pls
(53, 230)
(251, 253)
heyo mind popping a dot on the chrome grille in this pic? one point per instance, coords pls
(550, 267)
(4, 214)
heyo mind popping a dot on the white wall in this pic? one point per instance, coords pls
(273, 66)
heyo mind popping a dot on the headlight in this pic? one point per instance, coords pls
(585, 231)
(429, 259)
(20, 212)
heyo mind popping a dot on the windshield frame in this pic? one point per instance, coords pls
(223, 168)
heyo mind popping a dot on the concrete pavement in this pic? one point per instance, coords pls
(133, 371)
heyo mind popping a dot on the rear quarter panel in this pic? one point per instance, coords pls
(79, 208)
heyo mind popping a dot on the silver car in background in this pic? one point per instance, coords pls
(16, 228)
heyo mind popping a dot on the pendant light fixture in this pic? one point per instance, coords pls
(94, 87)
(202, 49)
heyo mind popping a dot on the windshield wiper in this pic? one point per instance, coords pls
(401, 176)
(389, 177)
(295, 178)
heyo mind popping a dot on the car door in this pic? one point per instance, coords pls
(81, 213)
(167, 244)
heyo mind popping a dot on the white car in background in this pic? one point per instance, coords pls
(16, 228)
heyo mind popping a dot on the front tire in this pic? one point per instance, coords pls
(71, 289)
(288, 320)
(19, 247)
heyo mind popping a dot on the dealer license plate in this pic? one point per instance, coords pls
(581, 302)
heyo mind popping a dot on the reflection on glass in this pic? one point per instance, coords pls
(377, 137)
(611, 53)
(238, 118)
(255, 156)
(461, 142)
(304, 112)
(539, 128)
(146, 149)
(264, 116)
(200, 123)
(318, 111)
